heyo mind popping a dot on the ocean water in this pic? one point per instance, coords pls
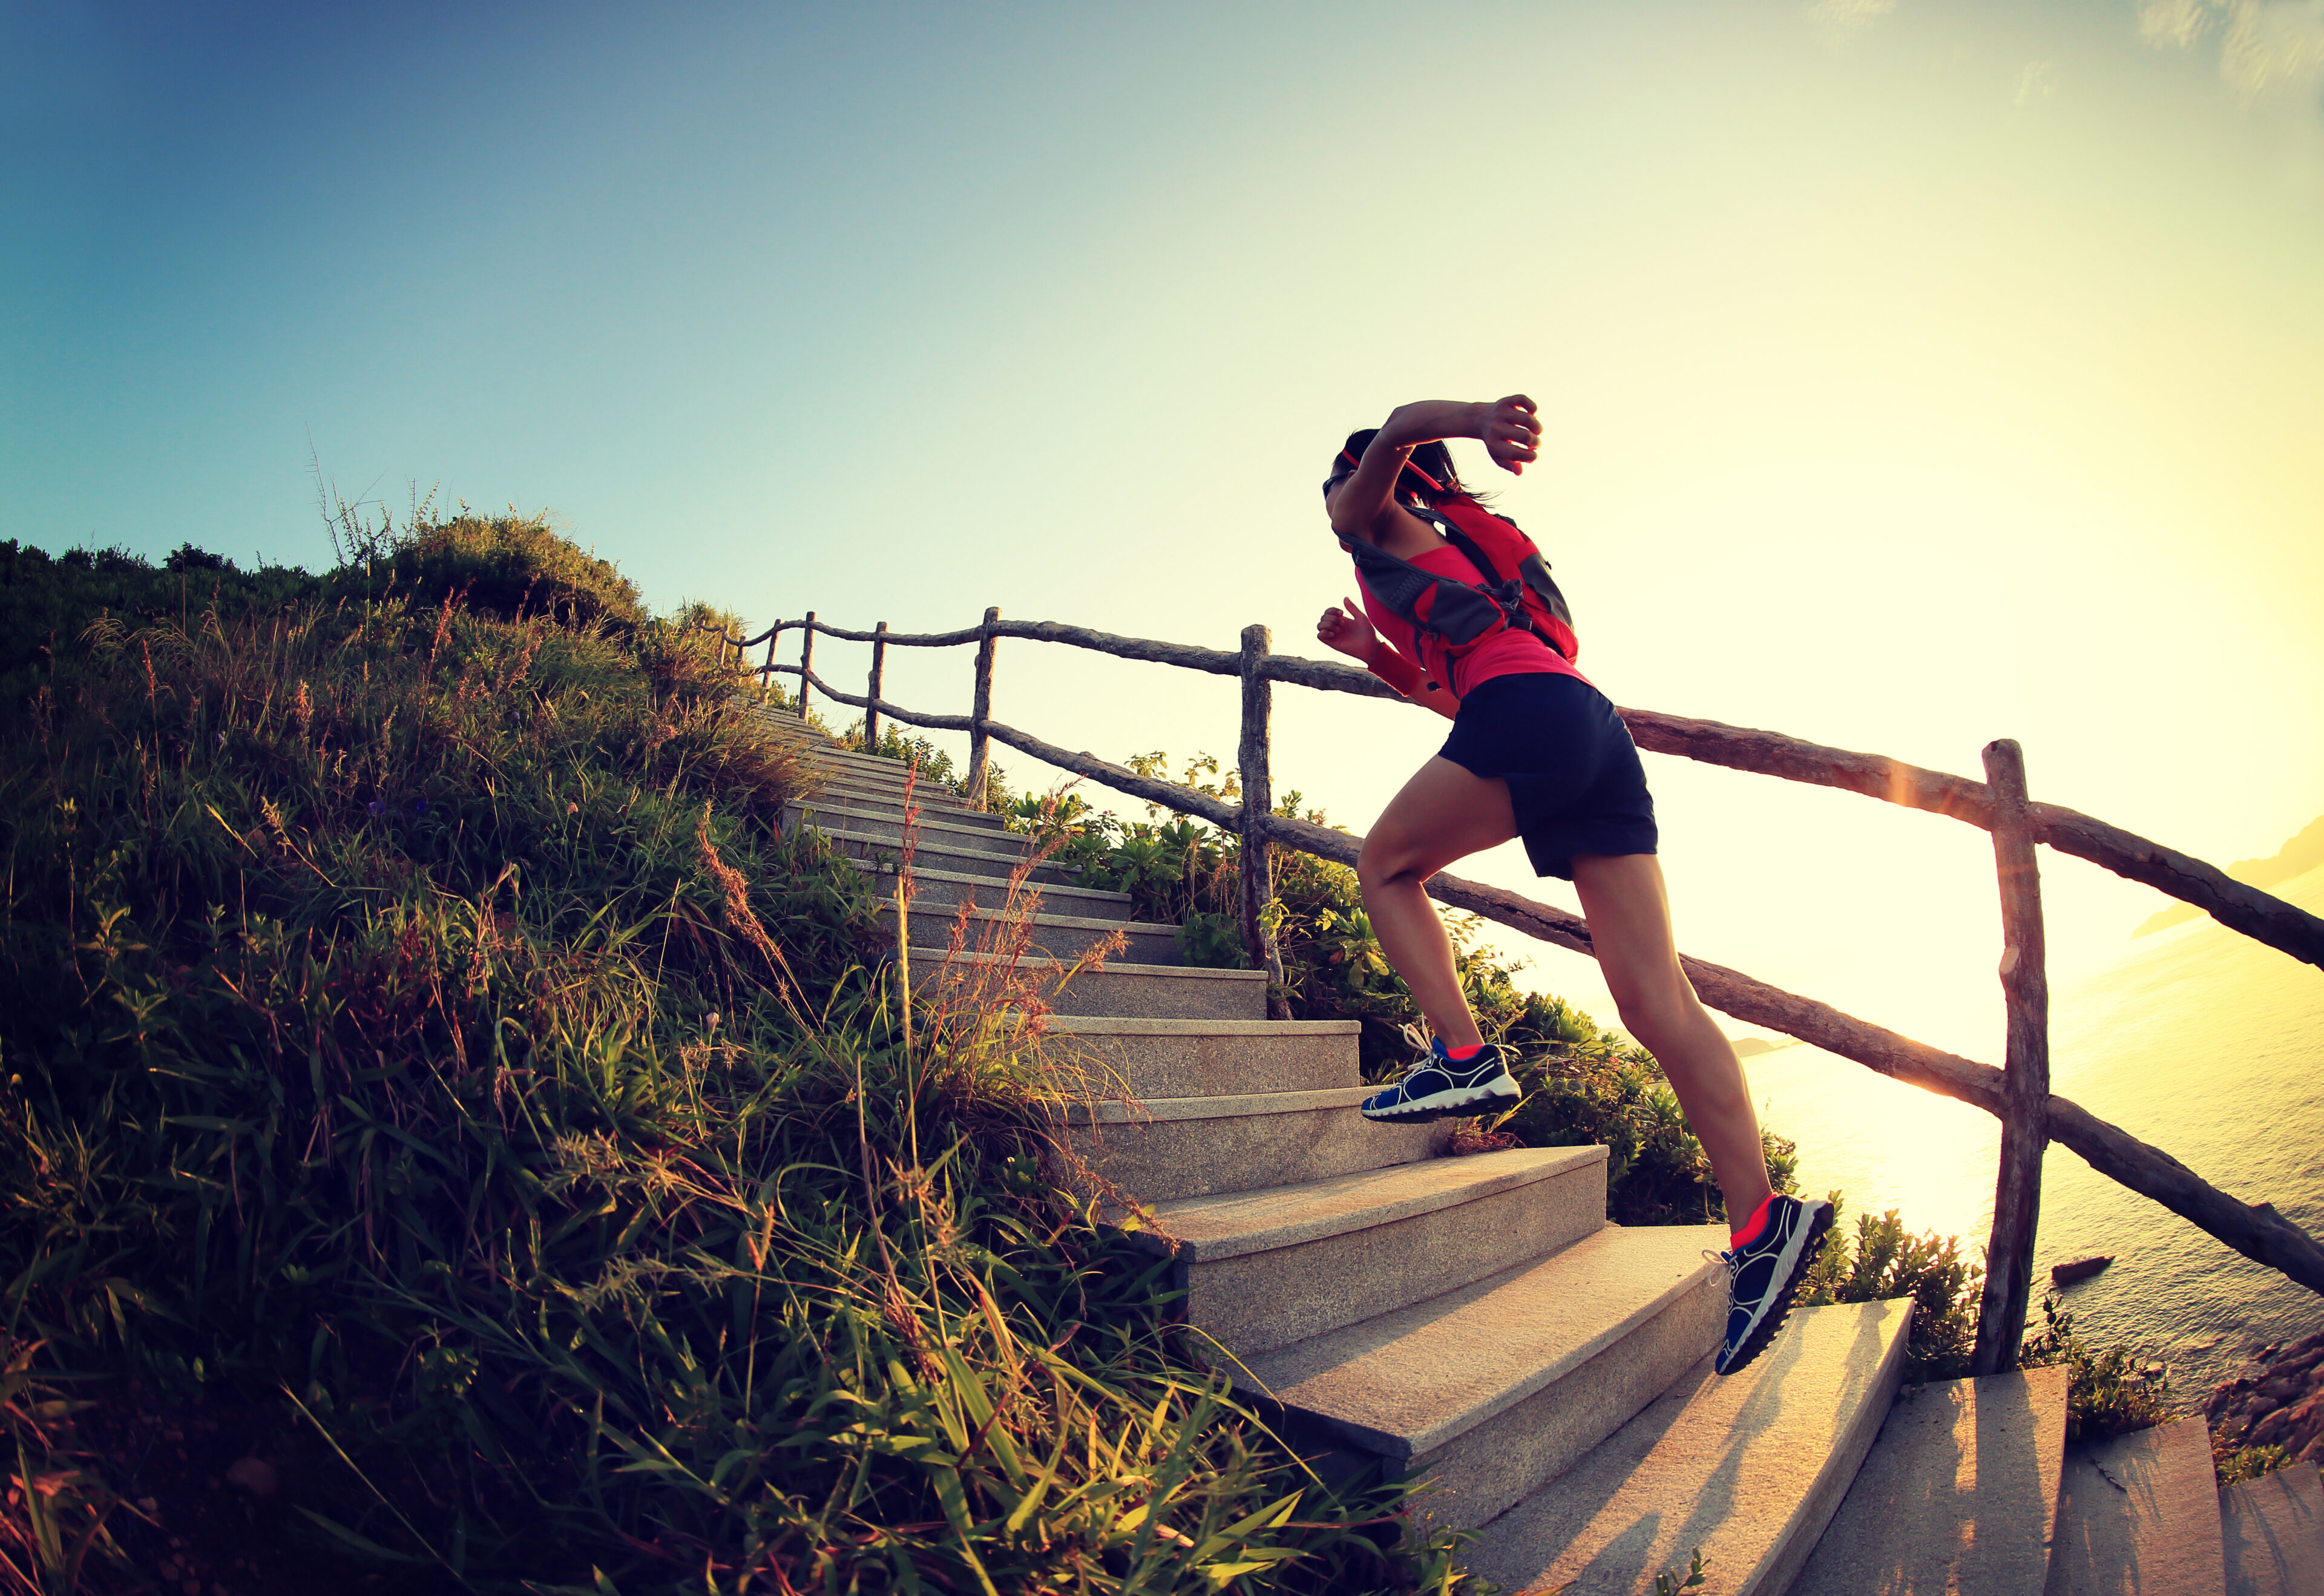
(2198, 1041)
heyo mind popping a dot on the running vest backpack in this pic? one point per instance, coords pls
(1517, 590)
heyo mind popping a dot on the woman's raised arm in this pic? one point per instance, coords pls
(1509, 429)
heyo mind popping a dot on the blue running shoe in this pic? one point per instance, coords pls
(1436, 1088)
(1764, 1274)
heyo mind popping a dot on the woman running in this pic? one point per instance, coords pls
(1537, 753)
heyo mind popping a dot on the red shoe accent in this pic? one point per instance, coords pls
(1463, 1055)
(1752, 1227)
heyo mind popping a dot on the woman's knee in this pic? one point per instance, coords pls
(1659, 1014)
(1385, 861)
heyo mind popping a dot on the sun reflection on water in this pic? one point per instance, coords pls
(2198, 1040)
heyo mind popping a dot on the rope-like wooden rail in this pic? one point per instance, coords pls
(2259, 915)
(2255, 1230)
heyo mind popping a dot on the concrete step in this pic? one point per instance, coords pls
(1501, 1385)
(820, 751)
(850, 794)
(1167, 1147)
(1212, 1058)
(887, 775)
(786, 724)
(1958, 1494)
(994, 863)
(1265, 1268)
(848, 784)
(890, 831)
(2138, 1512)
(1162, 991)
(1058, 935)
(945, 890)
(887, 820)
(2272, 1533)
(1749, 1468)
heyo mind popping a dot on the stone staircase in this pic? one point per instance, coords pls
(1391, 1307)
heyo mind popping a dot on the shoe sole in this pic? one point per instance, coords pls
(1461, 1103)
(1765, 1329)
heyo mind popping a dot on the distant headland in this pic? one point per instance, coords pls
(2301, 853)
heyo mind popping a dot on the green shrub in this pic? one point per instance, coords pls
(428, 1042)
(1656, 1172)
(1888, 1261)
(2107, 1394)
(46, 603)
(2233, 1460)
(504, 566)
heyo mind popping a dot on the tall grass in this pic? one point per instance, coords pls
(422, 1036)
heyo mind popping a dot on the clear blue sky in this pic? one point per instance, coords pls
(1915, 373)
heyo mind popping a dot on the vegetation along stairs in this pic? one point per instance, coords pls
(1391, 1307)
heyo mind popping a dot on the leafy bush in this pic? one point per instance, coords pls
(429, 1048)
(504, 566)
(508, 565)
(2233, 1460)
(46, 603)
(1886, 1262)
(2107, 1393)
(1656, 1172)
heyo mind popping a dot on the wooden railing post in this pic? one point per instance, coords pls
(2025, 1084)
(980, 742)
(1257, 803)
(806, 659)
(878, 665)
(767, 671)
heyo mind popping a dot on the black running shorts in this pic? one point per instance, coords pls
(1575, 782)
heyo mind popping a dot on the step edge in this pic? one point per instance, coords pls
(1103, 1025)
(1110, 967)
(1067, 921)
(1045, 887)
(2186, 1434)
(1241, 1243)
(877, 781)
(1788, 1553)
(1809, 1511)
(948, 813)
(806, 808)
(849, 790)
(939, 845)
(1166, 1111)
(1405, 1449)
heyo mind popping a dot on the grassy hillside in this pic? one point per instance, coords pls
(452, 1140)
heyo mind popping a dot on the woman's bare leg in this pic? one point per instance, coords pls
(1444, 814)
(1623, 897)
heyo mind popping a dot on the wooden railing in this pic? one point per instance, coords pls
(2019, 1094)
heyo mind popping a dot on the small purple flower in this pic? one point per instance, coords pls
(419, 805)
(375, 808)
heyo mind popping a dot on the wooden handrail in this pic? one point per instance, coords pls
(2259, 915)
(2255, 1230)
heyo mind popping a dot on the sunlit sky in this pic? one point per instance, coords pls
(1912, 374)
